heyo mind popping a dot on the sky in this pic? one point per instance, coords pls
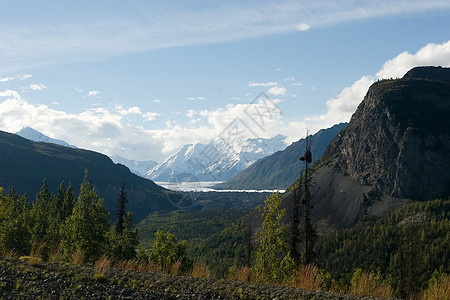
(143, 78)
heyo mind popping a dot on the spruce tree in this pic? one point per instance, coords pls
(121, 209)
(309, 233)
(84, 231)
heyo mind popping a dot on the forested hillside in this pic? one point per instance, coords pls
(24, 164)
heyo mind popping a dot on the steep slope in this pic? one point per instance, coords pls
(217, 161)
(279, 170)
(24, 164)
(394, 148)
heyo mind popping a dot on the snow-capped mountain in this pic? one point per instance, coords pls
(216, 161)
(34, 135)
(135, 166)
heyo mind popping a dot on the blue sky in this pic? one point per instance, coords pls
(143, 78)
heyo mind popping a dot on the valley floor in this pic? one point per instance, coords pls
(21, 280)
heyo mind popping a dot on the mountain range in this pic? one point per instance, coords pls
(280, 169)
(138, 167)
(216, 161)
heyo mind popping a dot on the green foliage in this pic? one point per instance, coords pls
(272, 264)
(122, 245)
(14, 223)
(167, 250)
(419, 232)
(85, 229)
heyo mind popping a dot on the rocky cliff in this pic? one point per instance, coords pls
(394, 149)
(398, 140)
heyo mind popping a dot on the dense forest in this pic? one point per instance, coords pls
(403, 255)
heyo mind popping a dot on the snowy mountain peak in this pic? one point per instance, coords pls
(216, 161)
(34, 135)
(135, 166)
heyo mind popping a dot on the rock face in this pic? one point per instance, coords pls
(394, 149)
(398, 140)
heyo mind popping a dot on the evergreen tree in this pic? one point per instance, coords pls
(42, 210)
(14, 223)
(121, 209)
(68, 203)
(248, 244)
(122, 245)
(84, 231)
(272, 264)
(309, 233)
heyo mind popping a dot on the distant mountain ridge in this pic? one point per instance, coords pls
(25, 163)
(135, 166)
(34, 135)
(216, 161)
(280, 169)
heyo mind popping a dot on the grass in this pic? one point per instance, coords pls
(199, 271)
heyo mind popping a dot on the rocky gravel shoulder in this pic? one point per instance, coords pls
(21, 280)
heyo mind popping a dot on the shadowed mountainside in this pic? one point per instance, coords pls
(280, 169)
(24, 164)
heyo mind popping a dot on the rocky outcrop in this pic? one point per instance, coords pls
(398, 139)
(395, 149)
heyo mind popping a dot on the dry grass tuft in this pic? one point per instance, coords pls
(36, 249)
(8, 253)
(102, 265)
(78, 257)
(199, 271)
(369, 284)
(308, 278)
(56, 254)
(438, 290)
(241, 274)
(175, 268)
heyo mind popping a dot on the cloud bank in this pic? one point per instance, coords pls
(109, 131)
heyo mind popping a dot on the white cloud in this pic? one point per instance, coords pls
(18, 77)
(158, 101)
(277, 90)
(37, 87)
(108, 131)
(131, 110)
(344, 105)
(297, 83)
(191, 113)
(55, 103)
(150, 116)
(93, 93)
(289, 78)
(263, 84)
(303, 27)
(430, 55)
(196, 98)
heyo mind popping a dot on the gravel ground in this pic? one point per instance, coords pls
(20, 280)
